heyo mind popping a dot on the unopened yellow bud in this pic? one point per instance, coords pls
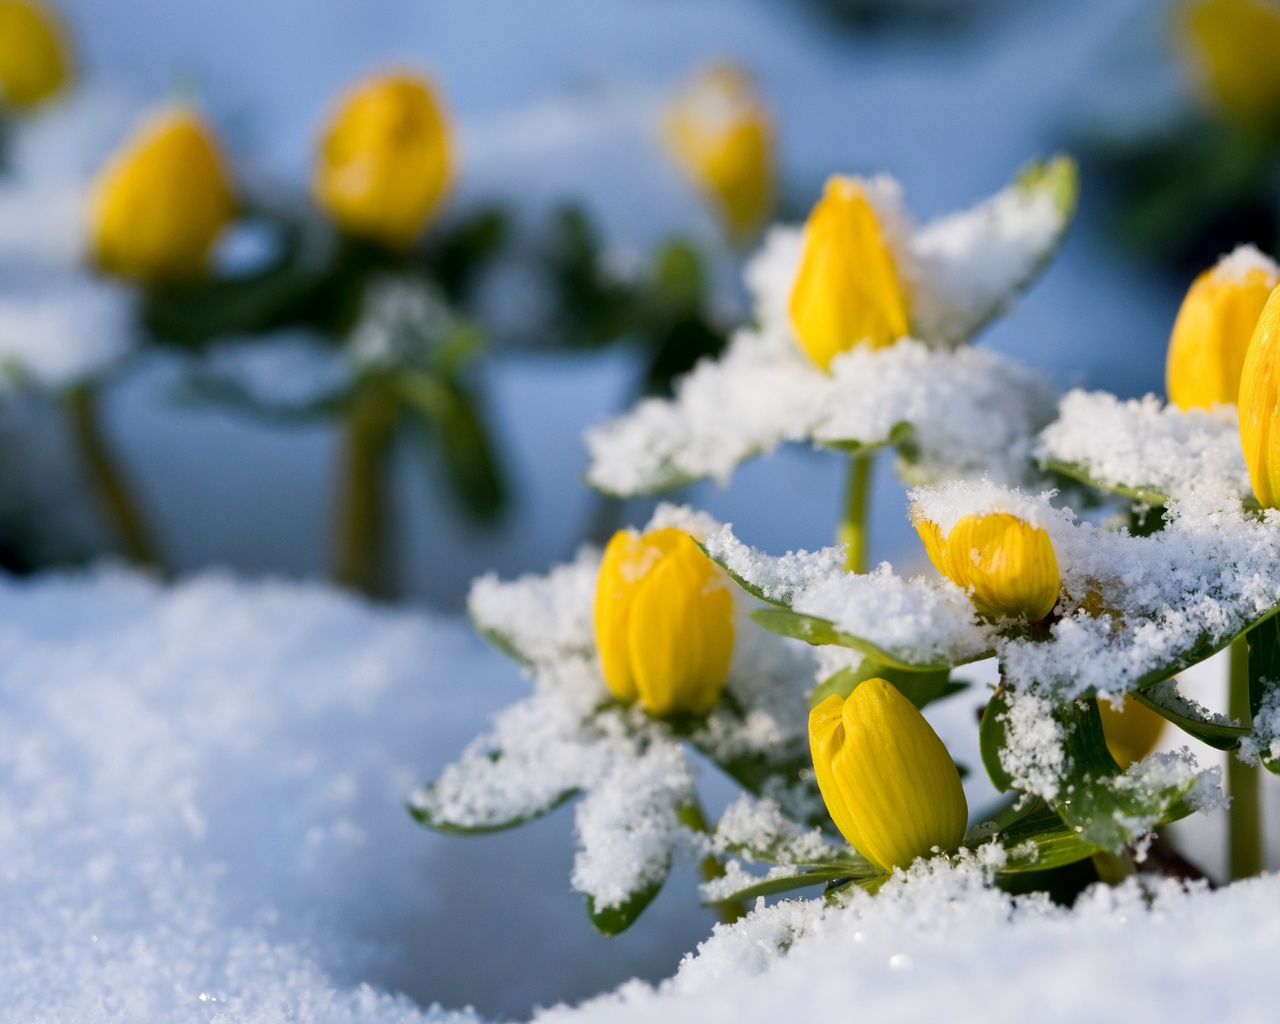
(1213, 328)
(889, 784)
(1132, 733)
(719, 133)
(1260, 405)
(1234, 49)
(34, 59)
(385, 159)
(1008, 565)
(161, 201)
(664, 623)
(847, 291)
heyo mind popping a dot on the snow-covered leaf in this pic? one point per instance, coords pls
(1167, 701)
(813, 630)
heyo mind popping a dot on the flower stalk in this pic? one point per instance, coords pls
(853, 529)
(360, 545)
(694, 818)
(1244, 828)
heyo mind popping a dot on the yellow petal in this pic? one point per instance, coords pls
(1234, 49)
(934, 545)
(1132, 733)
(161, 201)
(35, 62)
(385, 159)
(847, 291)
(680, 630)
(1009, 564)
(720, 134)
(1211, 336)
(1260, 405)
(887, 779)
(614, 590)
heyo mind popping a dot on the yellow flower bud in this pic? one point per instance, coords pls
(1008, 565)
(1260, 405)
(385, 159)
(1132, 733)
(34, 59)
(161, 201)
(663, 622)
(1233, 47)
(1212, 332)
(719, 133)
(847, 291)
(887, 779)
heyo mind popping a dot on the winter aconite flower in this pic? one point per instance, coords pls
(34, 59)
(719, 132)
(1132, 733)
(888, 782)
(1260, 405)
(1008, 565)
(385, 159)
(1213, 328)
(847, 292)
(1234, 48)
(663, 622)
(161, 201)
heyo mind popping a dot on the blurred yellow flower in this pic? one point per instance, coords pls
(663, 622)
(161, 200)
(888, 781)
(719, 132)
(1260, 405)
(1008, 565)
(1212, 332)
(35, 61)
(1233, 47)
(1132, 733)
(847, 291)
(385, 159)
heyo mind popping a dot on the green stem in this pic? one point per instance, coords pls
(106, 478)
(1244, 836)
(1113, 868)
(359, 550)
(853, 526)
(692, 817)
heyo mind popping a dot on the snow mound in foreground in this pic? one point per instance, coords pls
(200, 820)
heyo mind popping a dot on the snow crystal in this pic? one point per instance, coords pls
(57, 330)
(1033, 754)
(1141, 445)
(402, 319)
(1265, 741)
(968, 411)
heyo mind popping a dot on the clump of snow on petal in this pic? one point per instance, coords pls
(1242, 261)
(948, 503)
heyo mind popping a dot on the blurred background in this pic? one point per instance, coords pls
(560, 102)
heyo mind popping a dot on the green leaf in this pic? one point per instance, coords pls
(787, 883)
(615, 920)
(1165, 700)
(813, 630)
(1080, 472)
(438, 823)
(1041, 840)
(992, 739)
(1264, 671)
(921, 688)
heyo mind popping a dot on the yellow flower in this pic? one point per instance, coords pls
(1260, 405)
(34, 60)
(664, 622)
(1212, 332)
(847, 291)
(1233, 47)
(1132, 733)
(161, 201)
(887, 779)
(385, 159)
(719, 133)
(1007, 564)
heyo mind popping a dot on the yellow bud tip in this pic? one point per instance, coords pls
(888, 781)
(385, 159)
(663, 623)
(931, 537)
(35, 60)
(1260, 405)
(1214, 326)
(1008, 565)
(847, 292)
(1131, 733)
(1233, 48)
(161, 201)
(720, 134)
